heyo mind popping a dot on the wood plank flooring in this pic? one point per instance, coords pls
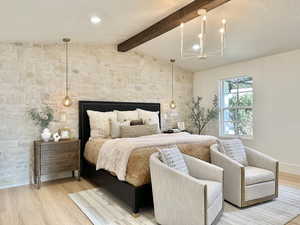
(51, 205)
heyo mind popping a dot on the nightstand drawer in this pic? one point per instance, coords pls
(49, 156)
(62, 147)
(59, 166)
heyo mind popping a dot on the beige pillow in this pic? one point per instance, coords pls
(99, 123)
(115, 127)
(127, 115)
(148, 117)
(138, 131)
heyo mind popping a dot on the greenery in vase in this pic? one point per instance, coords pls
(43, 117)
(201, 116)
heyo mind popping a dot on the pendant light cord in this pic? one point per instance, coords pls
(172, 81)
(172, 62)
(67, 68)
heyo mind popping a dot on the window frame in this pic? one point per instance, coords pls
(222, 110)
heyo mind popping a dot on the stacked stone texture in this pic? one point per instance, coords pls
(34, 74)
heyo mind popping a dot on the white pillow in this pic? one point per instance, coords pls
(127, 115)
(173, 158)
(99, 123)
(115, 127)
(148, 117)
(234, 149)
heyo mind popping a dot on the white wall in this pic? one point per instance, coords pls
(276, 103)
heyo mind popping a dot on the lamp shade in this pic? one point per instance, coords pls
(172, 104)
(67, 101)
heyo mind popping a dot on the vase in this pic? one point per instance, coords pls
(46, 135)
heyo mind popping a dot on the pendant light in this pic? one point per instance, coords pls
(67, 102)
(199, 49)
(172, 103)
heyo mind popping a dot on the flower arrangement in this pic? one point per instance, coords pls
(42, 117)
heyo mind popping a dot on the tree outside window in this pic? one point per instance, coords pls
(236, 107)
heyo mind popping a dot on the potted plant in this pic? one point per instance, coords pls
(42, 118)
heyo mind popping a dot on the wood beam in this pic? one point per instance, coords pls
(184, 15)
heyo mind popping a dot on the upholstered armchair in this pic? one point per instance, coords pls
(194, 199)
(248, 185)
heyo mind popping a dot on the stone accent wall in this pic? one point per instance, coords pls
(34, 74)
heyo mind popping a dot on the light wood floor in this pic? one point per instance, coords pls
(51, 205)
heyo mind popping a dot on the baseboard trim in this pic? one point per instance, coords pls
(290, 168)
(14, 185)
(44, 179)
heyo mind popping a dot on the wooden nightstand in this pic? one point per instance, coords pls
(55, 157)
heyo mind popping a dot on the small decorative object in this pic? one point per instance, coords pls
(181, 125)
(172, 103)
(201, 116)
(65, 133)
(46, 135)
(67, 101)
(56, 137)
(42, 119)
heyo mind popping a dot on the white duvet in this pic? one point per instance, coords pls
(114, 154)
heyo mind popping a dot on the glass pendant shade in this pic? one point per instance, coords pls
(67, 101)
(172, 104)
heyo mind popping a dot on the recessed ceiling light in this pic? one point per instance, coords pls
(196, 47)
(95, 19)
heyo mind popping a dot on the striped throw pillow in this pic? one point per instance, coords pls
(173, 158)
(234, 149)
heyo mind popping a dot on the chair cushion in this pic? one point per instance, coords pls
(261, 190)
(254, 175)
(234, 149)
(214, 189)
(173, 158)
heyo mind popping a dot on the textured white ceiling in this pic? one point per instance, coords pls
(256, 27)
(48, 21)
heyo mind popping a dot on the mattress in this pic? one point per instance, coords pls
(138, 171)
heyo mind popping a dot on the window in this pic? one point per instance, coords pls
(236, 107)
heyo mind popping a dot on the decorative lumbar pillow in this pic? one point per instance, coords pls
(148, 117)
(173, 158)
(127, 115)
(234, 149)
(115, 127)
(138, 131)
(136, 122)
(99, 123)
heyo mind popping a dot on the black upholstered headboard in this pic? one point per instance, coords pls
(84, 123)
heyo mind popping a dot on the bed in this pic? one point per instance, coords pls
(135, 191)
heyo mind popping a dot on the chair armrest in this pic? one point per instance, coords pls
(261, 160)
(234, 173)
(203, 170)
(172, 188)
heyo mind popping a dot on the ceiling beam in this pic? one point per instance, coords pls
(182, 15)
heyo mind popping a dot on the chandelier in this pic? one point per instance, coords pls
(199, 49)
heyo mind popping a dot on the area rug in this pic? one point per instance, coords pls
(103, 209)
